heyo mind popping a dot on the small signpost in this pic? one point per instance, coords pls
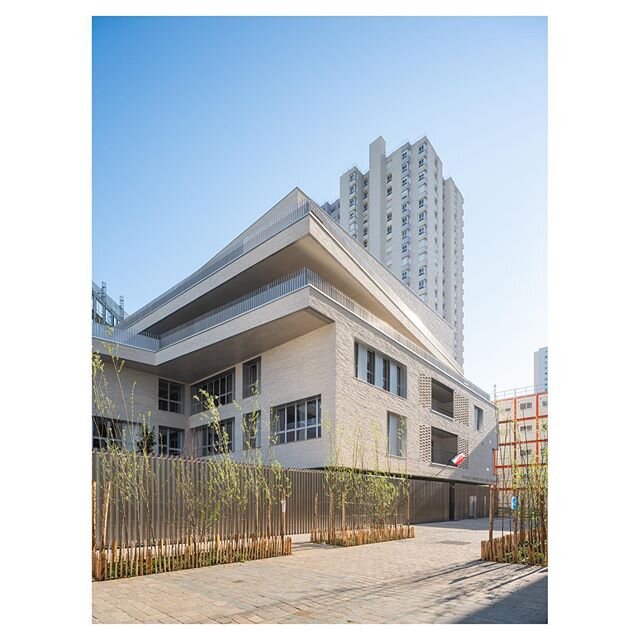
(514, 503)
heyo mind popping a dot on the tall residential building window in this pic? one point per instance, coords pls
(405, 248)
(421, 148)
(422, 230)
(405, 233)
(421, 216)
(219, 388)
(396, 435)
(389, 215)
(405, 275)
(170, 396)
(422, 284)
(213, 439)
(479, 417)
(295, 421)
(251, 378)
(389, 229)
(370, 364)
(389, 190)
(421, 176)
(389, 176)
(170, 441)
(405, 166)
(421, 271)
(251, 430)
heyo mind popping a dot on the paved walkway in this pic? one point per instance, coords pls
(435, 577)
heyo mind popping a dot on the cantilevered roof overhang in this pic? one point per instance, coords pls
(295, 234)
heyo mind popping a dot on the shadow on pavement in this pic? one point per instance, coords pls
(519, 607)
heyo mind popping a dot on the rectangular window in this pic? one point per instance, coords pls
(421, 148)
(170, 441)
(389, 215)
(371, 367)
(107, 433)
(421, 216)
(396, 435)
(405, 248)
(251, 378)
(393, 378)
(421, 176)
(218, 388)
(422, 284)
(525, 405)
(389, 176)
(421, 271)
(300, 420)
(422, 230)
(441, 398)
(479, 418)
(251, 430)
(170, 396)
(214, 439)
(386, 374)
(388, 229)
(405, 233)
(444, 446)
(389, 190)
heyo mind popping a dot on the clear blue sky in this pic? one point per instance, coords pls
(201, 124)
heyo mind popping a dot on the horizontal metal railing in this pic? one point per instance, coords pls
(125, 336)
(238, 247)
(268, 293)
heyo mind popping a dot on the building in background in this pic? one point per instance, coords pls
(104, 309)
(295, 326)
(410, 218)
(523, 423)
(541, 369)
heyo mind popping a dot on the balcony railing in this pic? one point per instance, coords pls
(250, 239)
(264, 295)
(125, 336)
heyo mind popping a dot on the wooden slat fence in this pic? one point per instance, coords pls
(164, 498)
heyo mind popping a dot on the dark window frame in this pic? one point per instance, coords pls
(251, 430)
(250, 388)
(165, 402)
(212, 445)
(296, 421)
(164, 441)
(222, 393)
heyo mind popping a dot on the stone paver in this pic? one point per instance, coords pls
(434, 578)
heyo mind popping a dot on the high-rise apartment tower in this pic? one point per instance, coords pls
(411, 219)
(541, 369)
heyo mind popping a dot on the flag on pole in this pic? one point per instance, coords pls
(458, 460)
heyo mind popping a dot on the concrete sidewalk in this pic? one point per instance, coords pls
(434, 578)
